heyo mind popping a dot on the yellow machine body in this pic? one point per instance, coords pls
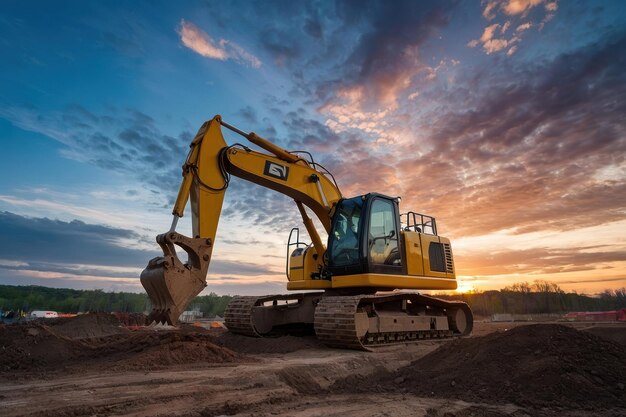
(420, 277)
(370, 247)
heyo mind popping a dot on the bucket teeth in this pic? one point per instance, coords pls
(172, 285)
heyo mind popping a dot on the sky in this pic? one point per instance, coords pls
(504, 119)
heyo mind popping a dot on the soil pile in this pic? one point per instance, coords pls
(131, 319)
(97, 339)
(536, 366)
(91, 325)
(616, 334)
(34, 345)
(259, 345)
(149, 350)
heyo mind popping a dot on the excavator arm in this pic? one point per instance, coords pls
(172, 284)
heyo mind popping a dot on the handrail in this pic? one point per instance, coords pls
(297, 244)
(419, 223)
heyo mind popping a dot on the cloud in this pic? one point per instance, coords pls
(55, 280)
(488, 11)
(495, 45)
(79, 254)
(513, 11)
(539, 261)
(380, 59)
(198, 41)
(76, 211)
(595, 281)
(309, 134)
(12, 263)
(515, 7)
(241, 268)
(129, 143)
(25, 277)
(488, 32)
(125, 141)
(284, 48)
(505, 148)
(552, 6)
(249, 114)
(52, 241)
(491, 45)
(507, 144)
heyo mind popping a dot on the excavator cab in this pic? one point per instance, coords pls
(365, 237)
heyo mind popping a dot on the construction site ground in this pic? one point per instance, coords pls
(92, 366)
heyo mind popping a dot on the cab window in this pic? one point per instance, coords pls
(344, 236)
(383, 235)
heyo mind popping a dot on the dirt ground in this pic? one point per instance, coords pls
(92, 366)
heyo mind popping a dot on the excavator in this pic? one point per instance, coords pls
(351, 290)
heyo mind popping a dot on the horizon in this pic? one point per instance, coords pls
(504, 120)
(532, 289)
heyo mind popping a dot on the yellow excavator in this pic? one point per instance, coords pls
(349, 284)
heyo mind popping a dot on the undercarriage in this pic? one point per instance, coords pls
(361, 321)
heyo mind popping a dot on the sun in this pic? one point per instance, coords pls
(464, 287)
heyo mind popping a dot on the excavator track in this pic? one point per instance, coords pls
(260, 316)
(359, 322)
(353, 322)
(335, 322)
(238, 315)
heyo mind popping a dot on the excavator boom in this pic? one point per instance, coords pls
(172, 284)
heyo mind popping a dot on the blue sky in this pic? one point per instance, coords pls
(504, 119)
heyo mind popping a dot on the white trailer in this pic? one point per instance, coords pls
(40, 314)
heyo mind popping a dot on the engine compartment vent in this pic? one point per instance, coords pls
(448, 253)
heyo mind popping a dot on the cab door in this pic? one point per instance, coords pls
(383, 243)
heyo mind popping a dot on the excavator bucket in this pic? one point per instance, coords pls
(170, 284)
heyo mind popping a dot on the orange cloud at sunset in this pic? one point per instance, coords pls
(513, 7)
(198, 41)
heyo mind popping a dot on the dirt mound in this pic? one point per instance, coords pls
(616, 334)
(131, 319)
(534, 366)
(34, 345)
(91, 325)
(258, 345)
(97, 340)
(148, 350)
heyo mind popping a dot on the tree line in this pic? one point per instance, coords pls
(539, 297)
(65, 300)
